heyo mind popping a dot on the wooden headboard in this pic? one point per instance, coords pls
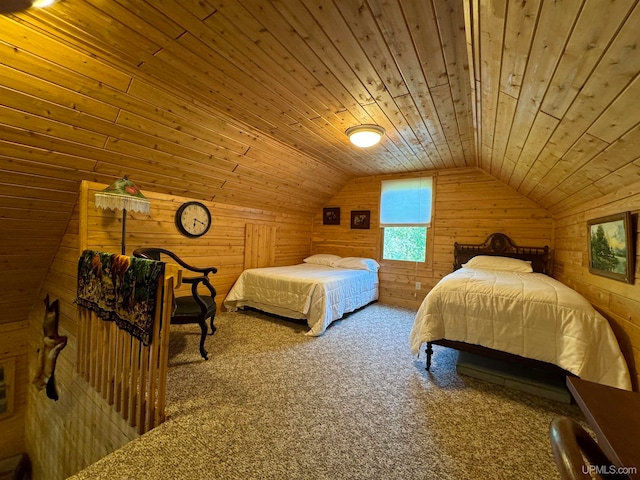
(498, 244)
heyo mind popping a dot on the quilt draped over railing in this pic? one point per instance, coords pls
(121, 289)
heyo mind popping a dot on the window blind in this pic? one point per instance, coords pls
(406, 202)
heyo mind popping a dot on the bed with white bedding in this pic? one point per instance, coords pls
(501, 304)
(320, 290)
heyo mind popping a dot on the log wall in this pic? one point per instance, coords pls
(619, 302)
(65, 436)
(13, 350)
(469, 204)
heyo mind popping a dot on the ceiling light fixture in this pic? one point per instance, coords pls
(365, 135)
(42, 3)
(16, 6)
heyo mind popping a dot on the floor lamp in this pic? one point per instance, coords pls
(123, 194)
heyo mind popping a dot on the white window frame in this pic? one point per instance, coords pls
(397, 217)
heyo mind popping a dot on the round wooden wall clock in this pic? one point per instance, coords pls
(193, 219)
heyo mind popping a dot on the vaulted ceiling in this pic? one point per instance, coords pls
(247, 101)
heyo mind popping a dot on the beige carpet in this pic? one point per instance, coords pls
(272, 403)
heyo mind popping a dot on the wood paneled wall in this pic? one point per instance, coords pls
(619, 302)
(223, 245)
(65, 436)
(259, 246)
(469, 205)
(14, 348)
(34, 211)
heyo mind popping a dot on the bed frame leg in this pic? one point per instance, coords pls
(429, 353)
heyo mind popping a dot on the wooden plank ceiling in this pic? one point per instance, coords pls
(246, 102)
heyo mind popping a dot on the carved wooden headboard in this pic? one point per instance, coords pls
(498, 244)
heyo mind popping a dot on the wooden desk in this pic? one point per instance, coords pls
(614, 416)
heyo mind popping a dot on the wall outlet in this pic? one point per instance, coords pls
(418, 285)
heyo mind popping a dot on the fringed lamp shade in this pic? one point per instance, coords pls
(124, 195)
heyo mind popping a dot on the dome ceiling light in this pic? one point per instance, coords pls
(15, 6)
(365, 135)
(42, 3)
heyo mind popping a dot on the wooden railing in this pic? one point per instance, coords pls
(130, 376)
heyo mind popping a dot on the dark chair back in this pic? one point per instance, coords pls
(194, 308)
(571, 445)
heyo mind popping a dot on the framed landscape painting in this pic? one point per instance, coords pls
(611, 247)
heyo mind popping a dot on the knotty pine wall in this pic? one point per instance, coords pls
(65, 436)
(14, 349)
(469, 205)
(619, 302)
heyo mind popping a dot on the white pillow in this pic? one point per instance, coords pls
(322, 259)
(357, 263)
(505, 264)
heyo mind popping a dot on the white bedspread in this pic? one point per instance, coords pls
(528, 314)
(320, 294)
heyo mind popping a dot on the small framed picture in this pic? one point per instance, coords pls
(611, 252)
(7, 387)
(331, 216)
(361, 219)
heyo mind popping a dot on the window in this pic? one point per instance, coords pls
(405, 216)
(405, 243)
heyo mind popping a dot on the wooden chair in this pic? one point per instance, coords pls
(194, 308)
(571, 445)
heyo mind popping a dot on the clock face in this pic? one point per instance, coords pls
(193, 219)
